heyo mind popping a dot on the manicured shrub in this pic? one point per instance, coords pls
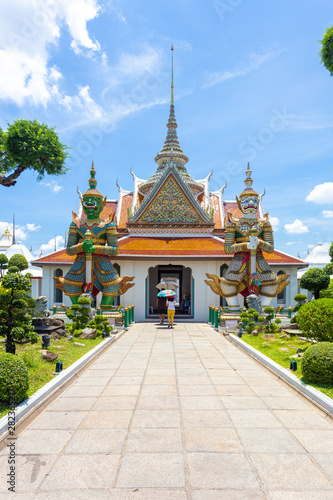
(317, 363)
(14, 379)
(315, 319)
(84, 301)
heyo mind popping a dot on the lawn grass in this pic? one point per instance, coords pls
(272, 349)
(41, 371)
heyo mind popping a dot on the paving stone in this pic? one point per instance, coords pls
(221, 470)
(261, 440)
(125, 380)
(115, 403)
(42, 442)
(289, 471)
(98, 373)
(121, 390)
(303, 419)
(83, 392)
(286, 403)
(156, 418)
(82, 472)
(194, 381)
(72, 404)
(228, 495)
(58, 420)
(112, 419)
(154, 439)
(201, 403)
(197, 390)
(93, 381)
(325, 461)
(315, 441)
(164, 380)
(301, 495)
(159, 390)
(228, 380)
(210, 418)
(212, 439)
(88, 494)
(30, 471)
(234, 390)
(253, 418)
(151, 470)
(243, 403)
(147, 494)
(158, 403)
(96, 441)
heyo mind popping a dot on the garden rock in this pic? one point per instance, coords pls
(284, 349)
(55, 336)
(79, 345)
(269, 336)
(62, 332)
(254, 333)
(88, 333)
(50, 356)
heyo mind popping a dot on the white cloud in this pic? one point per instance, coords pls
(56, 243)
(327, 214)
(254, 62)
(322, 193)
(21, 232)
(297, 227)
(27, 30)
(275, 221)
(83, 102)
(53, 185)
(291, 243)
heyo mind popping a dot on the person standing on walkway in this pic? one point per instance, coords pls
(171, 310)
(161, 307)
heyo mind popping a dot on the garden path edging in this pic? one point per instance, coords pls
(44, 392)
(316, 396)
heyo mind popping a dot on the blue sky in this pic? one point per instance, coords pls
(249, 86)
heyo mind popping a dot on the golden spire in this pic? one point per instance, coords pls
(172, 74)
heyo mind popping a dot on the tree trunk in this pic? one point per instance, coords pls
(316, 294)
(10, 179)
(10, 346)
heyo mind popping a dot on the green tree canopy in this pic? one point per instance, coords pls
(3, 263)
(30, 145)
(326, 51)
(19, 261)
(314, 280)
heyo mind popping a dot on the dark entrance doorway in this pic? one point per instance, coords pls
(183, 276)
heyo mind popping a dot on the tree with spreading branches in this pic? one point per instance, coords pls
(326, 51)
(30, 145)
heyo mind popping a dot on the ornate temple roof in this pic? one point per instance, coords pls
(201, 247)
(171, 152)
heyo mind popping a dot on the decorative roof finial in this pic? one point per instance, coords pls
(92, 180)
(248, 191)
(172, 102)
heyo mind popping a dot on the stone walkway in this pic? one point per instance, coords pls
(175, 415)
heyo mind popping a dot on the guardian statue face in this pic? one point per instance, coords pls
(249, 204)
(92, 206)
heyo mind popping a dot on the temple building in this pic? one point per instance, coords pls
(170, 225)
(9, 247)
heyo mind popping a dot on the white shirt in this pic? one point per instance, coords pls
(171, 305)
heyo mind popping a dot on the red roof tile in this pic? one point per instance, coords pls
(167, 247)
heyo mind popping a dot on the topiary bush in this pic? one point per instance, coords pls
(315, 319)
(14, 379)
(317, 363)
